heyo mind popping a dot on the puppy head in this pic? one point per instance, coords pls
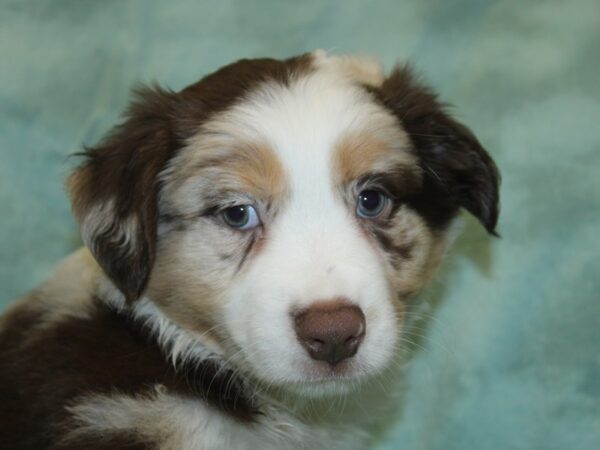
(284, 209)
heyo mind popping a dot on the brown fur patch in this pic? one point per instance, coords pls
(121, 172)
(42, 372)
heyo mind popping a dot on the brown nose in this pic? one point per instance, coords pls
(331, 331)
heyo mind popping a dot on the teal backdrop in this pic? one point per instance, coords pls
(512, 358)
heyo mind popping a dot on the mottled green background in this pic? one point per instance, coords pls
(512, 360)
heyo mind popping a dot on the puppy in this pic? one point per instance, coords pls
(251, 243)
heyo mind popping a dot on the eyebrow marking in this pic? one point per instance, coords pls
(379, 157)
(258, 170)
(215, 171)
(356, 154)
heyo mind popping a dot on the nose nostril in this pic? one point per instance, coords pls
(314, 345)
(351, 340)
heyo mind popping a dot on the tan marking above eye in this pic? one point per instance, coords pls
(214, 165)
(258, 171)
(356, 155)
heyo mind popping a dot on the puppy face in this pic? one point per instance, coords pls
(284, 210)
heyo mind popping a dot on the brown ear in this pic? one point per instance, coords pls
(458, 171)
(114, 191)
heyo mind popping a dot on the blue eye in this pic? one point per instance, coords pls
(241, 217)
(370, 204)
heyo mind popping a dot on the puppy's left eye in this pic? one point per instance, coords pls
(371, 204)
(241, 217)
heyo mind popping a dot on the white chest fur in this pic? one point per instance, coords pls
(175, 423)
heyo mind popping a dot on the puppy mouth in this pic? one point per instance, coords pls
(321, 379)
(308, 373)
(321, 374)
(323, 371)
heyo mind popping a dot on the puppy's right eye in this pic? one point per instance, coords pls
(371, 204)
(241, 217)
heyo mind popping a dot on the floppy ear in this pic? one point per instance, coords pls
(114, 191)
(454, 163)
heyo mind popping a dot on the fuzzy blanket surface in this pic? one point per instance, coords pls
(512, 358)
